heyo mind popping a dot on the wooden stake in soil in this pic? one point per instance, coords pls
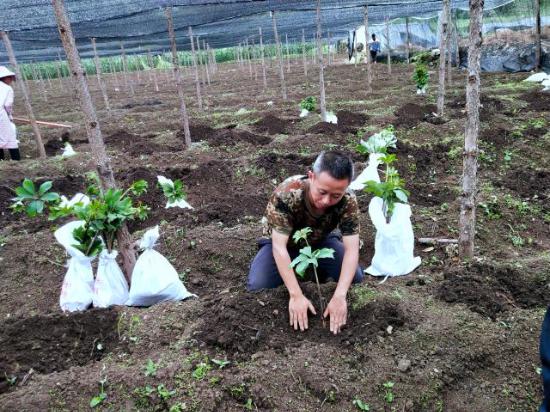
(467, 219)
(255, 60)
(92, 127)
(329, 54)
(248, 58)
(388, 44)
(323, 103)
(366, 49)
(442, 56)
(287, 54)
(125, 70)
(153, 69)
(200, 62)
(99, 80)
(205, 60)
(304, 59)
(25, 93)
(279, 56)
(262, 54)
(449, 47)
(194, 56)
(179, 80)
(538, 47)
(408, 40)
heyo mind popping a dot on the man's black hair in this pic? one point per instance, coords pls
(335, 163)
(373, 36)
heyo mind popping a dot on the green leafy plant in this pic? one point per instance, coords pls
(173, 191)
(391, 189)
(220, 363)
(151, 368)
(309, 257)
(360, 405)
(420, 76)
(98, 399)
(389, 396)
(200, 371)
(308, 103)
(379, 142)
(33, 201)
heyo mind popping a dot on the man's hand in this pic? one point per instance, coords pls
(297, 309)
(337, 310)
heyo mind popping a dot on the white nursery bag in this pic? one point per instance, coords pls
(77, 289)
(370, 172)
(154, 279)
(110, 287)
(394, 242)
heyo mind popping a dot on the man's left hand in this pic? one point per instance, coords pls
(337, 310)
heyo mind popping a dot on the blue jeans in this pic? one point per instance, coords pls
(263, 269)
(545, 361)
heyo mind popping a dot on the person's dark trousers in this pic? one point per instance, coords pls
(14, 154)
(263, 269)
(545, 361)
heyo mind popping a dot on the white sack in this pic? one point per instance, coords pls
(304, 113)
(110, 287)
(546, 84)
(182, 204)
(78, 198)
(68, 151)
(537, 77)
(154, 279)
(77, 289)
(331, 118)
(370, 172)
(394, 242)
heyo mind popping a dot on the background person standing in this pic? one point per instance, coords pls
(8, 133)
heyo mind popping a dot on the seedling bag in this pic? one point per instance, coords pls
(110, 287)
(154, 279)
(182, 204)
(370, 172)
(77, 289)
(394, 242)
(68, 151)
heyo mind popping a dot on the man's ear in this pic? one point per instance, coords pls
(310, 174)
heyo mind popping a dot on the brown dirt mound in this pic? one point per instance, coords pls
(490, 290)
(252, 322)
(323, 128)
(71, 339)
(538, 101)
(227, 136)
(54, 147)
(198, 132)
(427, 159)
(349, 122)
(489, 106)
(410, 114)
(283, 165)
(146, 103)
(528, 182)
(498, 136)
(271, 124)
(136, 145)
(428, 195)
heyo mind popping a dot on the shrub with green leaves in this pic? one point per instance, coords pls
(391, 190)
(308, 103)
(379, 142)
(31, 200)
(173, 191)
(420, 76)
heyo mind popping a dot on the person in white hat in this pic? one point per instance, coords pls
(8, 134)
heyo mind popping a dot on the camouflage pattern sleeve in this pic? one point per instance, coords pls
(279, 214)
(349, 221)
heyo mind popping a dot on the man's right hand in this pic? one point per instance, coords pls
(297, 309)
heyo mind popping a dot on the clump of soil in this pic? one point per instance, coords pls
(271, 124)
(52, 343)
(498, 136)
(281, 165)
(146, 103)
(350, 121)
(410, 114)
(528, 182)
(136, 145)
(198, 132)
(227, 136)
(427, 194)
(537, 101)
(323, 128)
(427, 159)
(252, 322)
(489, 106)
(54, 147)
(490, 290)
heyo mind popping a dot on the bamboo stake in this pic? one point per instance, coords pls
(449, 47)
(153, 69)
(262, 54)
(93, 129)
(125, 69)
(367, 53)
(538, 46)
(467, 219)
(194, 56)
(200, 62)
(255, 59)
(25, 93)
(442, 56)
(388, 44)
(304, 59)
(179, 80)
(329, 40)
(408, 40)
(248, 58)
(287, 54)
(321, 68)
(98, 74)
(42, 123)
(279, 56)
(206, 62)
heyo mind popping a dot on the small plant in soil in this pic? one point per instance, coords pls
(389, 396)
(200, 371)
(151, 368)
(175, 192)
(32, 200)
(379, 142)
(308, 103)
(220, 363)
(98, 399)
(360, 405)
(309, 257)
(420, 77)
(391, 190)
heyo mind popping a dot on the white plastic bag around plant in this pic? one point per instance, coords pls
(304, 113)
(370, 172)
(110, 287)
(78, 198)
(154, 279)
(68, 151)
(77, 289)
(394, 242)
(421, 91)
(331, 118)
(537, 77)
(178, 203)
(546, 84)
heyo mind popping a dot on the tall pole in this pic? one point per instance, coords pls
(255, 60)
(442, 57)
(248, 57)
(321, 68)
(538, 47)
(287, 54)
(329, 52)
(125, 69)
(388, 47)
(153, 69)
(367, 53)
(205, 60)
(449, 47)
(194, 56)
(93, 129)
(304, 59)
(99, 80)
(467, 219)
(25, 93)
(262, 54)
(279, 55)
(179, 80)
(408, 40)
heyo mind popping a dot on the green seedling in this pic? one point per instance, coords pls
(309, 103)
(98, 399)
(201, 370)
(309, 257)
(163, 393)
(391, 191)
(174, 192)
(151, 368)
(360, 405)
(33, 201)
(220, 363)
(249, 405)
(10, 379)
(420, 76)
(379, 142)
(388, 391)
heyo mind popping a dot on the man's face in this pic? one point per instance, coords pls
(325, 191)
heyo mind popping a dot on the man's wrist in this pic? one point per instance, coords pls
(342, 294)
(295, 293)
